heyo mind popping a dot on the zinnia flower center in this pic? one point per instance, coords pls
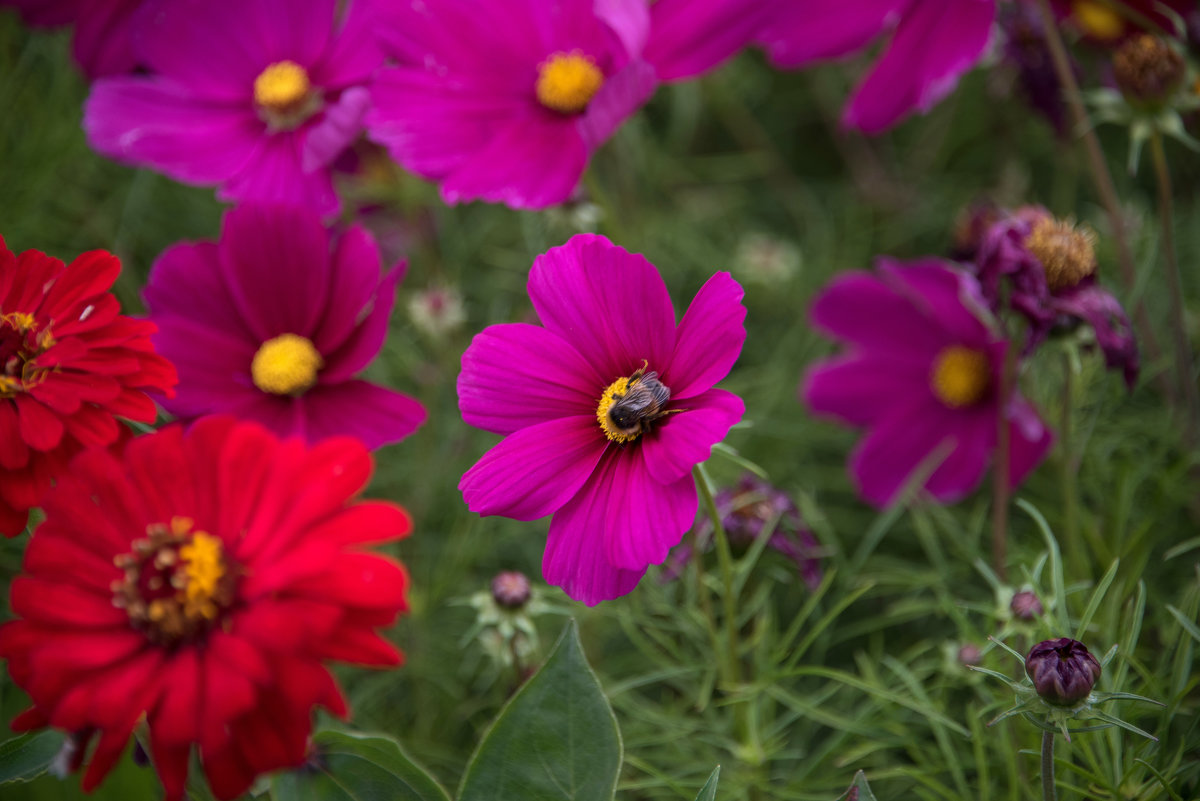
(630, 404)
(20, 344)
(177, 582)
(567, 82)
(286, 365)
(961, 376)
(1098, 20)
(1068, 254)
(284, 95)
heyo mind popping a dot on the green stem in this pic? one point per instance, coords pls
(1070, 488)
(725, 560)
(1183, 348)
(1049, 793)
(1001, 489)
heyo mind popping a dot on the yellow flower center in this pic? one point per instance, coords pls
(615, 391)
(286, 365)
(20, 344)
(1067, 253)
(961, 376)
(567, 82)
(1097, 20)
(177, 582)
(630, 404)
(282, 87)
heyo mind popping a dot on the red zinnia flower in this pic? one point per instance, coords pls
(200, 581)
(69, 363)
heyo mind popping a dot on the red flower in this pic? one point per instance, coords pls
(69, 363)
(202, 580)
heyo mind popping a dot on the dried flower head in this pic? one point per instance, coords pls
(1148, 70)
(1066, 251)
(1063, 671)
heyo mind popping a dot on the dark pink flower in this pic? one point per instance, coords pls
(271, 324)
(933, 42)
(102, 44)
(691, 37)
(258, 97)
(922, 373)
(605, 408)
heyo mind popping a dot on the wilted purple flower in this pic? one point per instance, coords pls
(1148, 70)
(1025, 605)
(1045, 268)
(745, 511)
(1063, 671)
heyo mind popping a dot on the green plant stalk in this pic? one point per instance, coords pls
(1001, 491)
(1183, 348)
(1049, 793)
(1068, 478)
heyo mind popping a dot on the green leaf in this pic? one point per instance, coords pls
(28, 756)
(709, 791)
(357, 767)
(556, 740)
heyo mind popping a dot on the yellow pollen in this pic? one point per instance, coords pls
(961, 376)
(282, 87)
(1067, 253)
(204, 566)
(1097, 20)
(21, 321)
(286, 365)
(618, 387)
(567, 82)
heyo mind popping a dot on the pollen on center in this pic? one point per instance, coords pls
(1098, 20)
(567, 82)
(612, 393)
(282, 87)
(961, 376)
(286, 365)
(1067, 253)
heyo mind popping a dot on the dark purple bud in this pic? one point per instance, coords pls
(970, 654)
(511, 589)
(1063, 671)
(1025, 606)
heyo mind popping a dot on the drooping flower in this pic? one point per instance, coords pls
(70, 364)
(253, 96)
(272, 322)
(202, 582)
(934, 43)
(1063, 671)
(922, 372)
(1045, 269)
(605, 408)
(102, 43)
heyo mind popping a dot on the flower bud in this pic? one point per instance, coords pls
(1148, 70)
(1025, 606)
(510, 589)
(1063, 671)
(969, 654)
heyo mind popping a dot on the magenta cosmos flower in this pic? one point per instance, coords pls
(257, 97)
(933, 42)
(922, 373)
(102, 44)
(271, 324)
(506, 100)
(605, 408)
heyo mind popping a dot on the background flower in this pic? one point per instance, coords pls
(262, 114)
(621, 498)
(921, 371)
(70, 364)
(272, 323)
(102, 43)
(219, 572)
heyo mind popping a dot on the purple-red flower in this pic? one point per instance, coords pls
(922, 372)
(933, 42)
(1045, 269)
(605, 408)
(1063, 671)
(258, 97)
(102, 44)
(271, 324)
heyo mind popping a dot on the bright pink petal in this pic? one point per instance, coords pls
(685, 438)
(629, 19)
(515, 375)
(691, 37)
(864, 310)
(213, 365)
(276, 175)
(364, 343)
(611, 305)
(340, 124)
(802, 32)
(1030, 440)
(646, 519)
(375, 415)
(534, 471)
(860, 390)
(974, 443)
(185, 281)
(885, 459)
(103, 41)
(949, 296)
(935, 43)
(709, 339)
(353, 56)
(621, 95)
(356, 270)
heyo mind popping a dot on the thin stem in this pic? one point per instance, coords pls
(725, 560)
(1100, 176)
(1001, 485)
(1068, 477)
(1183, 348)
(1049, 793)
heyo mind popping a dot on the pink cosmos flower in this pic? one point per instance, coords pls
(102, 44)
(271, 324)
(257, 97)
(506, 100)
(605, 408)
(933, 42)
(922, 373)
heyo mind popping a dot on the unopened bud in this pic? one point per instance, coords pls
(1148, 70)
(511, 589)
(1063, 671)
(970, 654)
(1025, 606)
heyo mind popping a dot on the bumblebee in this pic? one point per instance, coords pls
(642, 402)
